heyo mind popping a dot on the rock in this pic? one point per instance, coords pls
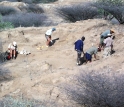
(17, 91)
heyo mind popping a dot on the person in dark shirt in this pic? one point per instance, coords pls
(79, 48)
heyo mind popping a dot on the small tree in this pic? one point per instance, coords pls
(97, 89)
(113, 7)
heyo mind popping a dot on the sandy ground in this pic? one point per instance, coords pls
(38, 74)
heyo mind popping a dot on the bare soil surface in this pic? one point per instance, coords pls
(38, 75)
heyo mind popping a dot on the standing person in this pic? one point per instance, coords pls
(48, 36)
(103, 36)
(91, 51)
(12, 47)
(108, 46)
(79, 48)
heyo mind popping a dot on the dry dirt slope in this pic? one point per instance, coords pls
(39, 74)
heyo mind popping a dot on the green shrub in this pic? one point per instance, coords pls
(5, 24)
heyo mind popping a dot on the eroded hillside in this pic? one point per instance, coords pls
(39, 74)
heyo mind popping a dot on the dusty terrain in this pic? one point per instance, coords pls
(38, 75)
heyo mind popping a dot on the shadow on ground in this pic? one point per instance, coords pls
(5, 74)
(53, 41)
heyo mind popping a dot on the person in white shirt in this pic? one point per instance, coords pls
(108, 46)
(12, 49)
(48, 36)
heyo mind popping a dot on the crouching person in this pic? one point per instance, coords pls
(91, 51)
(12, 49)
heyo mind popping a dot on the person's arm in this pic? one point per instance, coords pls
(104, 43)
(95, 53)
(83, 51)
(82, 48)
(95, 56)
(9, 46)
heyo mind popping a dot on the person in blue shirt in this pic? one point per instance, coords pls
(79, 48)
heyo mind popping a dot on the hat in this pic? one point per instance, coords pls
(53, 29)
(112, 31)
(14, 43)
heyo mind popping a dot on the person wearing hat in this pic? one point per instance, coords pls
(108, 46)
(103, 36)
(12, 49)
(79, 48)
(48, 36)
(91, 51)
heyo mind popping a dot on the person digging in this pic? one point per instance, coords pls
(48, 36)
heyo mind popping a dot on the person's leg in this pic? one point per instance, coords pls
(88, 57)
(11, 53)
(109, 51)
(14, 53)
(48, 41)
(78, 57)
(101, 43)
(106, 52)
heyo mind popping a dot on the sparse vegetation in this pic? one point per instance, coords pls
(26, 19)
(78, 12)
(43, 1)
(32, 8)
(5, 24)
(114, 2)
(31, 1)
(7, 10)
(9, 101)
(115, 8)
(100, 8)
(97, 89)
